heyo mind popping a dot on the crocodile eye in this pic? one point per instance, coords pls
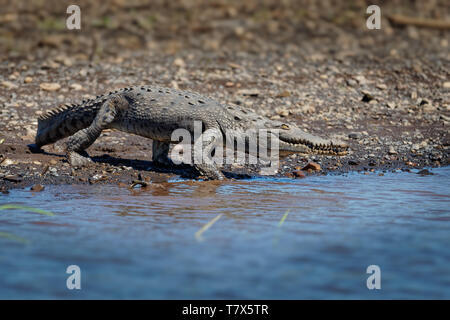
(284, 126)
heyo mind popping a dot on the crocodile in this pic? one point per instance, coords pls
(155, 112)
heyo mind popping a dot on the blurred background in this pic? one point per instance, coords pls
(303, 27)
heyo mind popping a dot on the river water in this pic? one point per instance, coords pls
(261, 238)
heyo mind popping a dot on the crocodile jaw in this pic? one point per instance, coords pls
(293, 139)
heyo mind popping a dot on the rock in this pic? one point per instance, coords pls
(353, 162)
(446, 85)
(13, 178)
(361, 80)
(283, 94)
(355, 135)
(9, 85)
(249, 92)
(425, 172)
(229, 84)
(28, 79)
(178, 62)
(299, 174)
(7, 162)
(390, 105)
(76, 86)
(308, 108)
(392, 150)
(312, 166)
(381, 86)
(284, 113)
(37, 188)
(367, 97)
(50, 86)
(97, 177)
(234, 65)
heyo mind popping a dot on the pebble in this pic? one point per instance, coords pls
(299, 174)
(392, 150)
(13, 178)
(367, 97)
(249, 92)
(28, 79)
(283, 94)
(312, 166)
(50, 86)
(9, 85)
(37, 188)
(178, 62)
(425, 172)
(76, 86)
(355, 135)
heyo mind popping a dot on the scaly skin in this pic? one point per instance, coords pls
(155, 112)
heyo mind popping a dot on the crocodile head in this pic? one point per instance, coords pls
(293, 139)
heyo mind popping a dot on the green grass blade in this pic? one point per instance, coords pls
(198, 234)
(13, 237)
(35, 210)
(283, 218)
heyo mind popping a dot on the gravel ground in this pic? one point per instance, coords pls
(386, 92)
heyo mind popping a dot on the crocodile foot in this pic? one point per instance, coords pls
(209, 172)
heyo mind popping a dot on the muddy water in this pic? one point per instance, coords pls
(259, 238)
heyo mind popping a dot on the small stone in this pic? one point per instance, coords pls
(249, 92)
(392, 150)
(229, 84)
(9, 85)
(13, 178)
(28, 79)
(284, 113)
(355, 135)
(299, 174)
(367, 97)
(381, 86)
(283, 94)
(178, 62)
(446, 85)
(390, 105)
(361, 80)
(37, 188)
(50, 86)
(76, 86)
(425, 172)
(353, 162)
(313, 166)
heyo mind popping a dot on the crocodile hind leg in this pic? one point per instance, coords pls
(77, 143)
(160, 153)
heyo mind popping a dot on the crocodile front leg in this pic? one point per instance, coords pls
(76, 144)
(203, 161)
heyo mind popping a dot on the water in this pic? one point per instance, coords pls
(271, 239)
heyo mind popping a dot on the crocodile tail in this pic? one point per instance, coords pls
(63, 121)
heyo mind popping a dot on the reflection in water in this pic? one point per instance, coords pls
(259, 238)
